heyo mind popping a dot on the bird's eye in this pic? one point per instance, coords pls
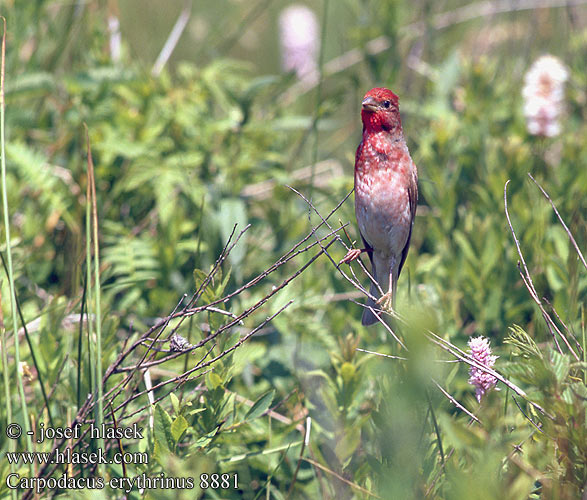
(386, 104)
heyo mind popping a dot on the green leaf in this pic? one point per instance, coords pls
(162, 435)
(39, 82)
(205, 440)
(318, 373)
(233, 211)
(196, 411)
(35, 170)
(459, 434)
(465, 246)
(269, 451)
(560, 240)
(199, 278)
(178, 427)
(348, 442)
(567, 396)
(174, 403)
(220, 288)
(580, 391)
(555, 277)
(213, 380)
(261, 405)
(560, 366)
(258, 85)
(245, 354)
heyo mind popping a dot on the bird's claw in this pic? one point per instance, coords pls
(386, 302)
(350, 256)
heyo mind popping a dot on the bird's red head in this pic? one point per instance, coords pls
(380, 111)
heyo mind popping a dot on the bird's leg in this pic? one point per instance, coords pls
(387, 299)
(353, 254)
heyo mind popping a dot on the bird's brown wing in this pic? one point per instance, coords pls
(368, 248)
(413, 201)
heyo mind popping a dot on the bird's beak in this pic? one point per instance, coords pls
(370, 104)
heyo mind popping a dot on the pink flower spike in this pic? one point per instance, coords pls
(481, 352)
(299, 39)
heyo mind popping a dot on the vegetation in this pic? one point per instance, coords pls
(214, 314)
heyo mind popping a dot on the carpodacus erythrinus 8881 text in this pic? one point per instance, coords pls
(386, 195)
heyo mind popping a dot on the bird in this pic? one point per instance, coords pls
(386, 196)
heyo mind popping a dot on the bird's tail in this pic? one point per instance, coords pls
(368, 317)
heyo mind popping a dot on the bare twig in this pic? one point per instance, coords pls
(161, 325)
(465, 358)
(455, 402)
(379, 314)
(530, 284)
(527, 417)
(340, 478)
(172, 39)
(112, 368)
(381, 354)
(567, 329)
(305, 443)
(205, 364)
(237, 320)
(438, 474)
(324, 221)
(271, 411)
(354, 280)
(569, 234)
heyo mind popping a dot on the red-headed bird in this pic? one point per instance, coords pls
(386, 195)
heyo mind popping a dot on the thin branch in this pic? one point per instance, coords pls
(339, 477)
(172, 39)
(438, 474)
(356, 282)
(305, 443)
(569, 234)
(462, 356)
(381, 354)
(567, 329)
(378, 313)
(241, 341)
(159, 327)
(455, 402)
(436, 428)
(179, 378)
(530, 284)
(527, 417)
(112, 368)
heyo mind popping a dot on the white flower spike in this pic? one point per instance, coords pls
(543, 93)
